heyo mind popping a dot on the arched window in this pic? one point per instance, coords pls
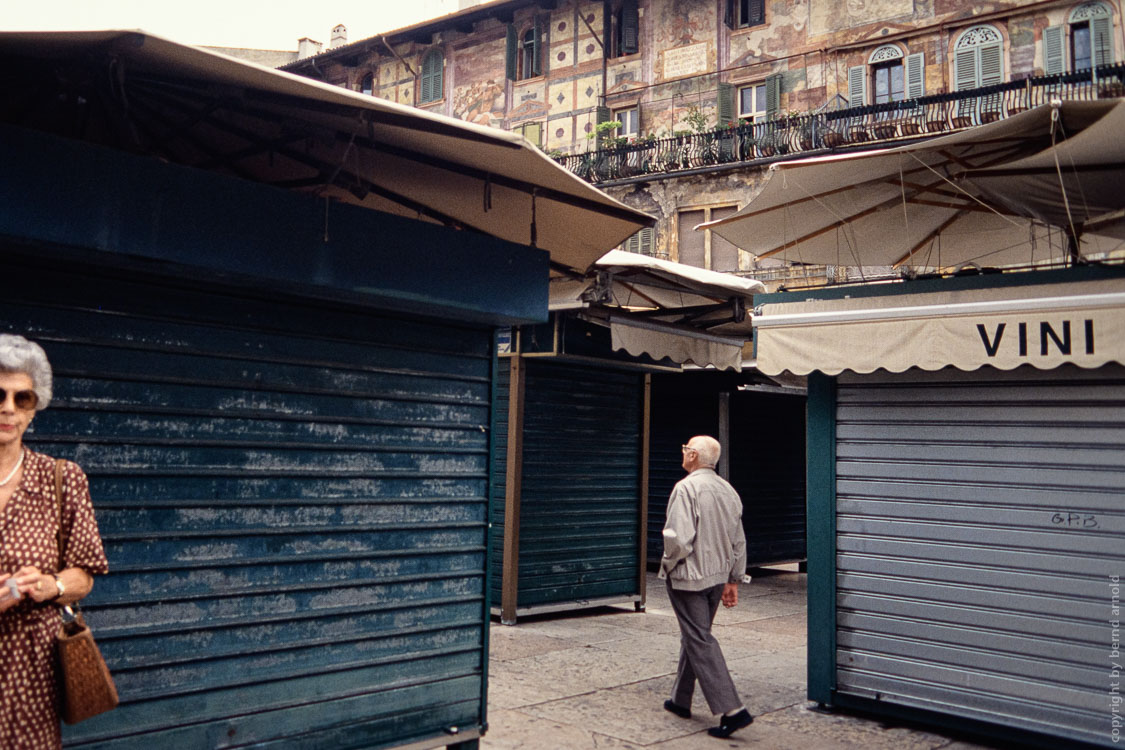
(367, 84)
(1084, 42)
(888, 82)
(978, 58)
(891, 74)
(524, 58)
(431, 87)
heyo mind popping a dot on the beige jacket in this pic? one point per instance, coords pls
(704, 544)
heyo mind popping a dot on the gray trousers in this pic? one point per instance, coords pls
(700, 656)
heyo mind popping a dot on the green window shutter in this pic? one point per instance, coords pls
(513, 49)
(536, 51)
(602, 114)
(773, 94)
(725, 104)
(633, 244)
(915, 75)
(1101, 39)
(645, 241)
(857, 86)
(991, 63)
(431, 87)
(757, 15)
(965, 69)
(630, 28)
(1054, 55)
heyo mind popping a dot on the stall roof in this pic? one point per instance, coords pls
(663, 309)
(1005, 193)
(141, 93)
(1042, 325)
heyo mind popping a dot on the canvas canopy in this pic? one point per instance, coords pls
(663, 309)
(1012, 192)
(1043, 325)
(138, 92)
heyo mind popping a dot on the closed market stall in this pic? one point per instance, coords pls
(277, 365)
(571, 480)
(966, 476)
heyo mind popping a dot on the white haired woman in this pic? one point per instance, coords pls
(30, 556)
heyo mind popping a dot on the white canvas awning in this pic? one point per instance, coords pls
(663, 309)
(144, 94)
(1043, 325)
(992, 195)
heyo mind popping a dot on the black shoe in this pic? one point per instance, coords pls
(683, 713)
(728, 725)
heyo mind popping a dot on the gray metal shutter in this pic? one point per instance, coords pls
(767, 467)
(580, 535)
(773, 95)
(979, 522)
(630, 27)
(292, 499)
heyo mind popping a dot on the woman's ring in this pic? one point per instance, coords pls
(39, 585)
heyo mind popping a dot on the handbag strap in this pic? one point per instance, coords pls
(70, 609)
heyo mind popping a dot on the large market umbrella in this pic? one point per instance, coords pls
(138, 92)
(920, 205)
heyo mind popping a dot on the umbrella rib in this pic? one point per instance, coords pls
(451, 166)
(325, 168)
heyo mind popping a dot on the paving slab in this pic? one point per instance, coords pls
(598, 678)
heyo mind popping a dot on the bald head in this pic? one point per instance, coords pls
(706, 450)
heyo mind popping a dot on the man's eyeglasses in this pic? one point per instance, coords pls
(25, 400)
(686, 448)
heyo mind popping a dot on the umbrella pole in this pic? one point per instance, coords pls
(1073, 254)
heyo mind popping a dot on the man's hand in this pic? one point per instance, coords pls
(730, 595)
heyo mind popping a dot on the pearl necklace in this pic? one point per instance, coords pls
(15, 469)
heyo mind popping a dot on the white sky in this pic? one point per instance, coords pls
(257, 24)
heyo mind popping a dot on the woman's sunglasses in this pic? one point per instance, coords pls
(23, 399)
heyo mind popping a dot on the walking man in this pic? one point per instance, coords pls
(704, 559)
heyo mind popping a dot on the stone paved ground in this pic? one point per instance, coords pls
(597, 679)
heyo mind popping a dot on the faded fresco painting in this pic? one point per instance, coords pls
(826, 16)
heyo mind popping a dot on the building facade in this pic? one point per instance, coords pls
(575, 76)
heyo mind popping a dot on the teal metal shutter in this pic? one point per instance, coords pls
(979, 530)
(579, 536)
(767, 467)
(511, 53)
(292, 496)
(857, 86)
(1101, 39)
(915, 75)
(1054, 50)
(601, 114)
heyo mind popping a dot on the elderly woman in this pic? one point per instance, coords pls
(30, 553)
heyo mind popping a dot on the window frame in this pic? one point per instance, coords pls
(367, 84)
(529, 53)
(736, 14)
(756, 115)
(623, 131)
(623, 17)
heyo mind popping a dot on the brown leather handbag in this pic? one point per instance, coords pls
(85, 683)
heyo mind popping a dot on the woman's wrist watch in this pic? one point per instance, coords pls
(59, 585)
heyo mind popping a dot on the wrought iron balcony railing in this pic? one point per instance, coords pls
(798, 135)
